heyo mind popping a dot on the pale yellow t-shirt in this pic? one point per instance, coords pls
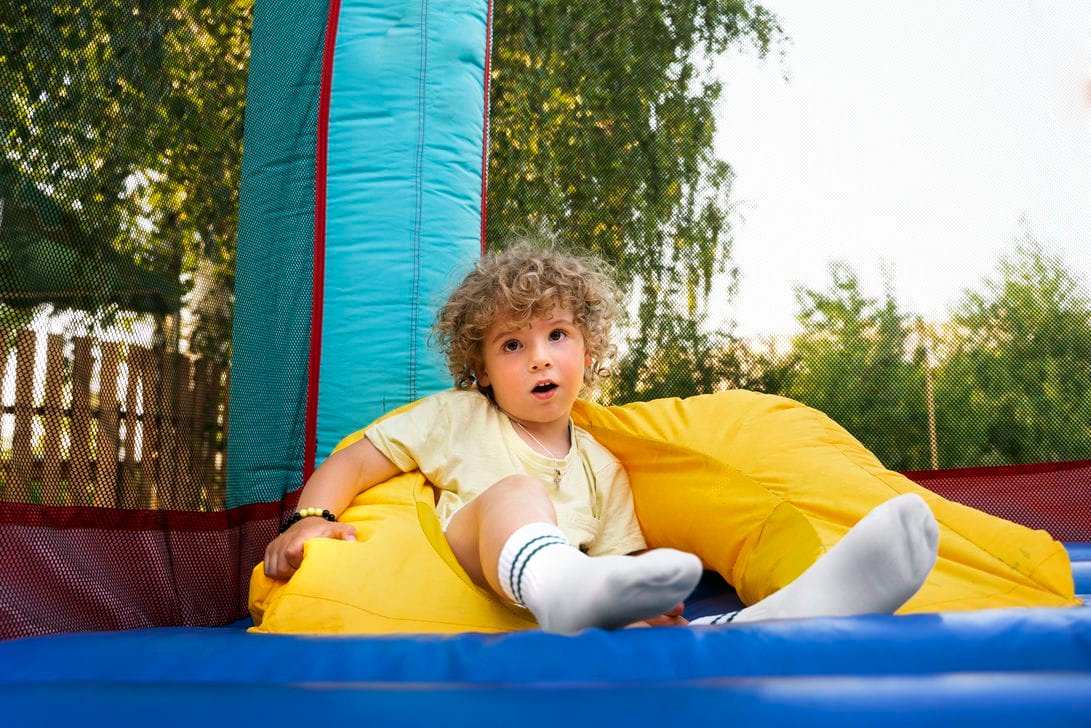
(464, 444)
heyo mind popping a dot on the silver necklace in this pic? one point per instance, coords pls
(558, 473)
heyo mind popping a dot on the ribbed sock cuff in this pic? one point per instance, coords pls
(520, 547)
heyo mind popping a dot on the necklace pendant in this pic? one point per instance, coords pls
(557, 478)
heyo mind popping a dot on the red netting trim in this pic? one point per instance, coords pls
(318, 286)
(998, 471)
(1054, 497)
(485, 135)
(69, 569)
(77, 569)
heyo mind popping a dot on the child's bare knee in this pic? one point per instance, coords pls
(523, 485)
(512, 502)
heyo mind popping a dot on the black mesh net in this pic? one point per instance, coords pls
(119, 177)
(603, 120)
(118, 209)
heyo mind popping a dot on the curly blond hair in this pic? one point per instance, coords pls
(525, 282)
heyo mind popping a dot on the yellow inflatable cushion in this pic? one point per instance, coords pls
(757, 485)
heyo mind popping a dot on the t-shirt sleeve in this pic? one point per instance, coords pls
(415, 439)
(619, 530)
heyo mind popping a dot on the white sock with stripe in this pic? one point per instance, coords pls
(715, 618)
(874, 569)
(568, 591)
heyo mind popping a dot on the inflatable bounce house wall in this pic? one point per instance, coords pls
(363, 198)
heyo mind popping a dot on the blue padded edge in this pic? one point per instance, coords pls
(1080, 556)
(403, 204)
(1037, 640)
(996, 700)
(1081, 574)
(1078, 551)
(996, 667)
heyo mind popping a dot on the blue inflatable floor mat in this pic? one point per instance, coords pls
(1004, 665)
(991, 667)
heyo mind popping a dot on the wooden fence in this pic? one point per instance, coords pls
(150, 436)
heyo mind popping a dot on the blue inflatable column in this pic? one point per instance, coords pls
(403, 209)
(361, 206)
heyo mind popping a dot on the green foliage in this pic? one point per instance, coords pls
(12, 320)
(1014, 385)
(602, 123)
(129, 115)
(858, 364)
(1010, 369)
(675, 359)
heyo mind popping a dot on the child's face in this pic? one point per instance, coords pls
(535, 368)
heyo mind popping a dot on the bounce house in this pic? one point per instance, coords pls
(363, 197)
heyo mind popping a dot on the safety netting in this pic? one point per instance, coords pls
(119, 179)
(604, 120)
(120, 174)
(603, 123)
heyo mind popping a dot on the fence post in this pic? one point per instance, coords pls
(80, 484)
(176, 475)
(106, 490)
(26, 344)
(52, 493)
(140, 411)
(151, 455)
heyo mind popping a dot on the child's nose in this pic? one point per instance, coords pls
(539, 358)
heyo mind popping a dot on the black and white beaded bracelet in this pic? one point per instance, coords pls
(306, 513)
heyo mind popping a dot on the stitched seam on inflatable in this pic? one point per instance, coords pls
(415, 239)
(989, 595)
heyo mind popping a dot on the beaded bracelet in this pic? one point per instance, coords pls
(306, 513)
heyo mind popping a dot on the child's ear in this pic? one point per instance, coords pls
(587, 360)
(482, 377)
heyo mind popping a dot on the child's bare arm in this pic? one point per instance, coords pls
(332, 487)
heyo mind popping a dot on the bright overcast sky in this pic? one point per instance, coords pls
(918, 135)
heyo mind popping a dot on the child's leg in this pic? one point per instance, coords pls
(507, 539)
(875, 568)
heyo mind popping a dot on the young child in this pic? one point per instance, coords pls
(533, 507)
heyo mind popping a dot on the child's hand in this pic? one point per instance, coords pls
(673, 618)
(284, 554)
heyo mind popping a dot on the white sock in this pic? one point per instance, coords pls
(568, 591)
(716, 618)
(875, 568)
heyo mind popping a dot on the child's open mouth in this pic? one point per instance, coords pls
(544, 389)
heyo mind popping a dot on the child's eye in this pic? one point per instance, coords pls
(510, 345)
(557, 334)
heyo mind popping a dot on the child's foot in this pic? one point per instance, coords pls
(568, 591)
(875, 568)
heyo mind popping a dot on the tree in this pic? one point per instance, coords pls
(128, 114)
(682, 361)
(858, 364)
(602, 123)
(1014, 383)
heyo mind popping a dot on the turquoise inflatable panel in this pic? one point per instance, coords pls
(398, 199)
(403, 209)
